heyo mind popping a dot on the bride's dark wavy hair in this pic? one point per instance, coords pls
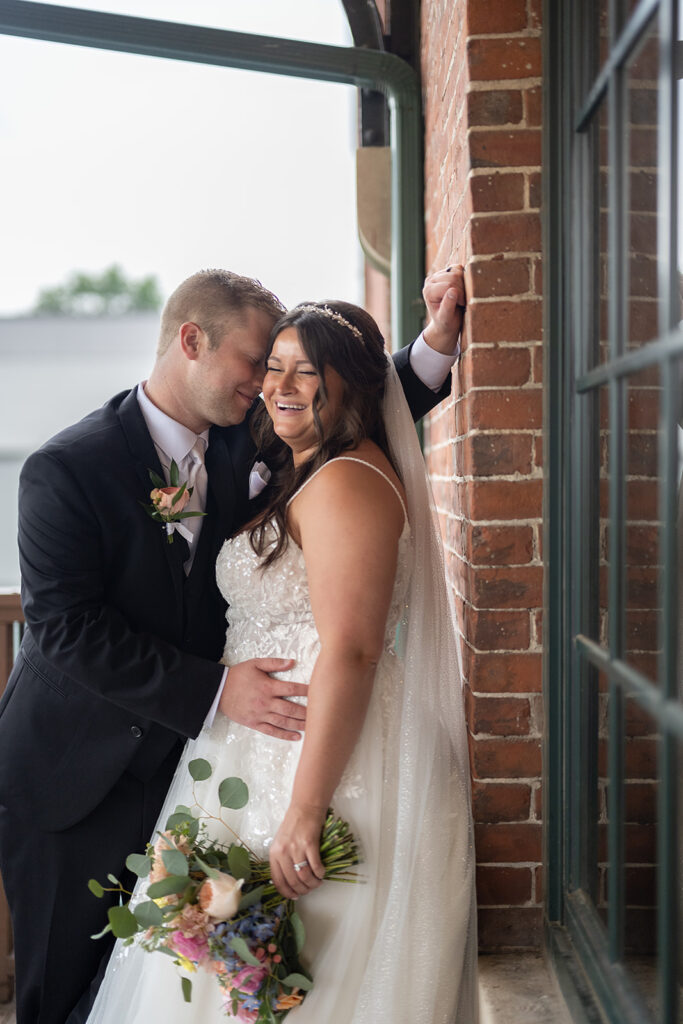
(361, 364)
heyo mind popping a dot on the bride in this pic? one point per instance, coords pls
(342, 571)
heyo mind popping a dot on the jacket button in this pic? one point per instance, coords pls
(136, 731)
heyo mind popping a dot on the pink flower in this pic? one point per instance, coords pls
(192, 921)
(162, 499)
(194, 948)
(249, 979)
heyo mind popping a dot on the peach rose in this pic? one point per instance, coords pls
(220, 897)
(288, 1001)
(162, 499)
(165, 842)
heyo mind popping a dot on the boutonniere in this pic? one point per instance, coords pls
(169, 503)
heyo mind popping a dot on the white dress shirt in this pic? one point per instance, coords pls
(430, 366)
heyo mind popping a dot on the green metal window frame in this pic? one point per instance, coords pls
(587, 954)
(365, 68)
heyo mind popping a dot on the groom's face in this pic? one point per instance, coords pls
(229, 376)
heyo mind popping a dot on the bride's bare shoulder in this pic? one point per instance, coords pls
(349, 484)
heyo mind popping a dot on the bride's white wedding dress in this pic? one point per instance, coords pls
(398, 948)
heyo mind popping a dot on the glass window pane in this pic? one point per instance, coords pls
(321, 21)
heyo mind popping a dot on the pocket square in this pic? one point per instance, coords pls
(258, 478)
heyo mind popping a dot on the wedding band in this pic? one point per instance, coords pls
(300, 865)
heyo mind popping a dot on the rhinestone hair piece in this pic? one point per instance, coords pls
(332, 315)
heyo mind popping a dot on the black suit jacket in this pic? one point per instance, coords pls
(120, 654)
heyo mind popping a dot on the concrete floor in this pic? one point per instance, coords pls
(516, 988)
(519, 988)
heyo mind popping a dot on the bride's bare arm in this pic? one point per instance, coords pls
(349, 521)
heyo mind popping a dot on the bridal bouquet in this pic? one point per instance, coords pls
(213, 907)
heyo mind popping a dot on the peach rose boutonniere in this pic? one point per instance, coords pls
(169, 503)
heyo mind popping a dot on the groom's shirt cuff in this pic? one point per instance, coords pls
(430, 366)
(208, 721)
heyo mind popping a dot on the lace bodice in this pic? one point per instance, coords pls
(276, 598)
(271, 601)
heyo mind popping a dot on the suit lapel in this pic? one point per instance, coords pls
(144, 457)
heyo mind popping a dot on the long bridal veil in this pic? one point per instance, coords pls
(427, 843)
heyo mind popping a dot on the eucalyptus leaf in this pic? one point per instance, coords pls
(168, 886)
(168, 952)
(184, 822)
(122, 921)
(139, 864)
(95, 888)
(148, 914)
(174, 475)
(244, 953)
(298, 981)
(206, 868)
(187, 989)
(175, 862)
(199, 769)
(299, 931)
(105, 930)
(238, 862)
(114, 879)
(233, 793)
(249, 898)
(156, 479)
(184, 809)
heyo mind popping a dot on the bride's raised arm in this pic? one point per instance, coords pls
(348, 521)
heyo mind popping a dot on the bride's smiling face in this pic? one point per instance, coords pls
(290, 389)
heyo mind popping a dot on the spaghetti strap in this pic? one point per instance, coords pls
(352, 458)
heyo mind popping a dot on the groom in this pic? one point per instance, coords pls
(119, 663)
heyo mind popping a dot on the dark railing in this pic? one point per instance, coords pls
(11, 622)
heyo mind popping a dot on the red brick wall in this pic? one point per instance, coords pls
(481, 68)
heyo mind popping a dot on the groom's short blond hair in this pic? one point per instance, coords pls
(212, 299)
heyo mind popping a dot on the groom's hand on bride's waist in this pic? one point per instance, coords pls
(252, 697)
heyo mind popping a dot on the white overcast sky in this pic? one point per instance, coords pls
(166, 167)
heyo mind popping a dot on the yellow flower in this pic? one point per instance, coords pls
(186, 964)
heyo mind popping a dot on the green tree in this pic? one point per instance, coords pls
(110, 293)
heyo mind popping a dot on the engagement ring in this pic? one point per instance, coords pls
(300, 865)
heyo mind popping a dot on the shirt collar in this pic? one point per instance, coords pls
(173, 438)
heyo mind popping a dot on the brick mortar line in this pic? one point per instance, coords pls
(517, 296)
(502, 126)
(503, 85)
(489, 346)
(502, 696)
(511, 780)
(529, 521)
(523, 34)
(488, 214)
(508, 478)
(480, 172)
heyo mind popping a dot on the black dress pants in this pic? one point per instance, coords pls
(45, 874)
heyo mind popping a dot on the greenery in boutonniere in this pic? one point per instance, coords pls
(168, 503)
